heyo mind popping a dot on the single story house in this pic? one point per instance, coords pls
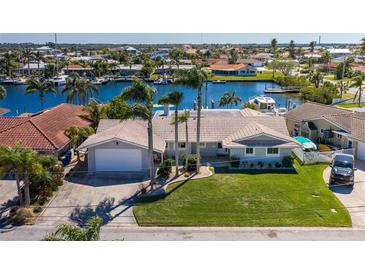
(338, 52)
(330, 125)
(247, 134)
(252, 62)
(233, 69)
(43, 131)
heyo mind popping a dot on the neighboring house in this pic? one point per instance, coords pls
(43, 131)
(32, 67)
(76, 68)
(335, 53)
(233, 69)
(329, 125)
(247, 134)
(163, 53)
(252, 62)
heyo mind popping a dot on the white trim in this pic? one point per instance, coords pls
(266, 134)
(248, 154)
(272, 155)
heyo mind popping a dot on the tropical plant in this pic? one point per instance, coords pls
(184, 118)
(291, 49)
(326, 58)
(68, 232)
(274, 44)
(95, 112)
(2, 92)
(194, 78)
(229, 99)
(38, 57)
(34, 85)
(175, 98)
(77, 134)
(358, 83)
(147, 69)
(362, 48)
(316, 78)
(28, 54)
(250, 106)
(233, 56)
(79, 89)
(176, 55)
(8, 62)
(142, 96)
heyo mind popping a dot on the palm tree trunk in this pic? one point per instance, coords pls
(360, 93)
(186, 145)
(19, 190)
(176, 142)
(150, 153)
(198, 129)
(26, 189)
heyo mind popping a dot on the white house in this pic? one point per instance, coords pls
(233, 69)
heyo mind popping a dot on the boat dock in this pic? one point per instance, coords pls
(282, 90)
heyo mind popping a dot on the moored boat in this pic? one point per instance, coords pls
(263, 103)
(219, 82)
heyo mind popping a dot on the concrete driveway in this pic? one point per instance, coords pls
(7, 195)
(78, 200)
(352, 198)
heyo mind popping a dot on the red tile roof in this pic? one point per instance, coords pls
(43, 131)
(227, 66)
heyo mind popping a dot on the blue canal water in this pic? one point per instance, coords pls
(19, 103)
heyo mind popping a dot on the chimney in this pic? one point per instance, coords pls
(166, 110)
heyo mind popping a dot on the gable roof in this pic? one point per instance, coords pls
(354, 123)
(129, 131)
(42, 131)
(255, 129)
(312, 111)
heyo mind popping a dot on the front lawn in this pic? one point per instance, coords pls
(351, 105)
(251, 199)
(264, 76)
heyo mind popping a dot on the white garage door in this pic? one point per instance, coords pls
(361, 151)
(118, 159)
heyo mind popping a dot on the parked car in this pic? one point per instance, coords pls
(343, 170)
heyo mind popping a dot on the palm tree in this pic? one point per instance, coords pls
(274, 44)
(34, 85)
(77, 134)
(9, 163)
(184, 118)
(312, 44)
(8, 62)
(291, 49)
(343, 86)
(229, 98)
(194, 78)
(79, 89)
(38, 57)
(362, 49)
(176, 55)
(326, 58)
(142, 95)
(28, 54)
(2, 93)
(175, 98)
(358, 82)
(95, 112)
(316, 78)
(67, 232)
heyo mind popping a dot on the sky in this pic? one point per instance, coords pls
(179, 38)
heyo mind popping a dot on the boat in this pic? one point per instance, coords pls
(97, 82)
(263, 103)
(219, 82)
(59, 80)
(160, 81)
(13, 81)
(280, 111)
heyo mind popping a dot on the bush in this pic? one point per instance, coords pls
(192, 162)
(22, 216)
(37, 209)
(235, 161)
(287, 161)
(277, 165)
(260, 164)
(269, 165)
(165, 169)
(250, 105)
(252, 165)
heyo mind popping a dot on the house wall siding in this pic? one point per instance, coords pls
(260, 155)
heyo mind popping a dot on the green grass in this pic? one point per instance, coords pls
(265, 75)
(247, 199)
(351, 105)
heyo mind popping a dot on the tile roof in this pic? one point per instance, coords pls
(311, 111)
(227, 67)
(42, 131)
(354, 123)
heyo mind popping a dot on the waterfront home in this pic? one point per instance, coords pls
(43, 131)
(233, 69)
(245, 134)
(336, 127)
(33, 67)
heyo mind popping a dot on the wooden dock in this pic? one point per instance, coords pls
(282, 90)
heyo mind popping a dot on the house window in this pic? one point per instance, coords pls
(182, 145)
(249, 151)
(219, 145)
(350, 144)
(272, 151)
(203, 145)
(339, 136)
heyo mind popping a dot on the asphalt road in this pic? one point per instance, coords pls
(29, 233)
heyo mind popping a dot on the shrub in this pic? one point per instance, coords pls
(165, 169)
(250, 105)
(37, 209)
(252, 165)
(277, 164)
(260, 164)
(22, 216)
(235, 161)
(269, 165)
(287, 161)
(192, 160)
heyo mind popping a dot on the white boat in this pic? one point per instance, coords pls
(160, 81)
(59, 80)
(280, 111)
(219, 82)
(263, 103)
(13, 81)
(97, 82)
(19, 81)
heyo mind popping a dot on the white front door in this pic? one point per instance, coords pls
(107, 159)
(361, 151)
